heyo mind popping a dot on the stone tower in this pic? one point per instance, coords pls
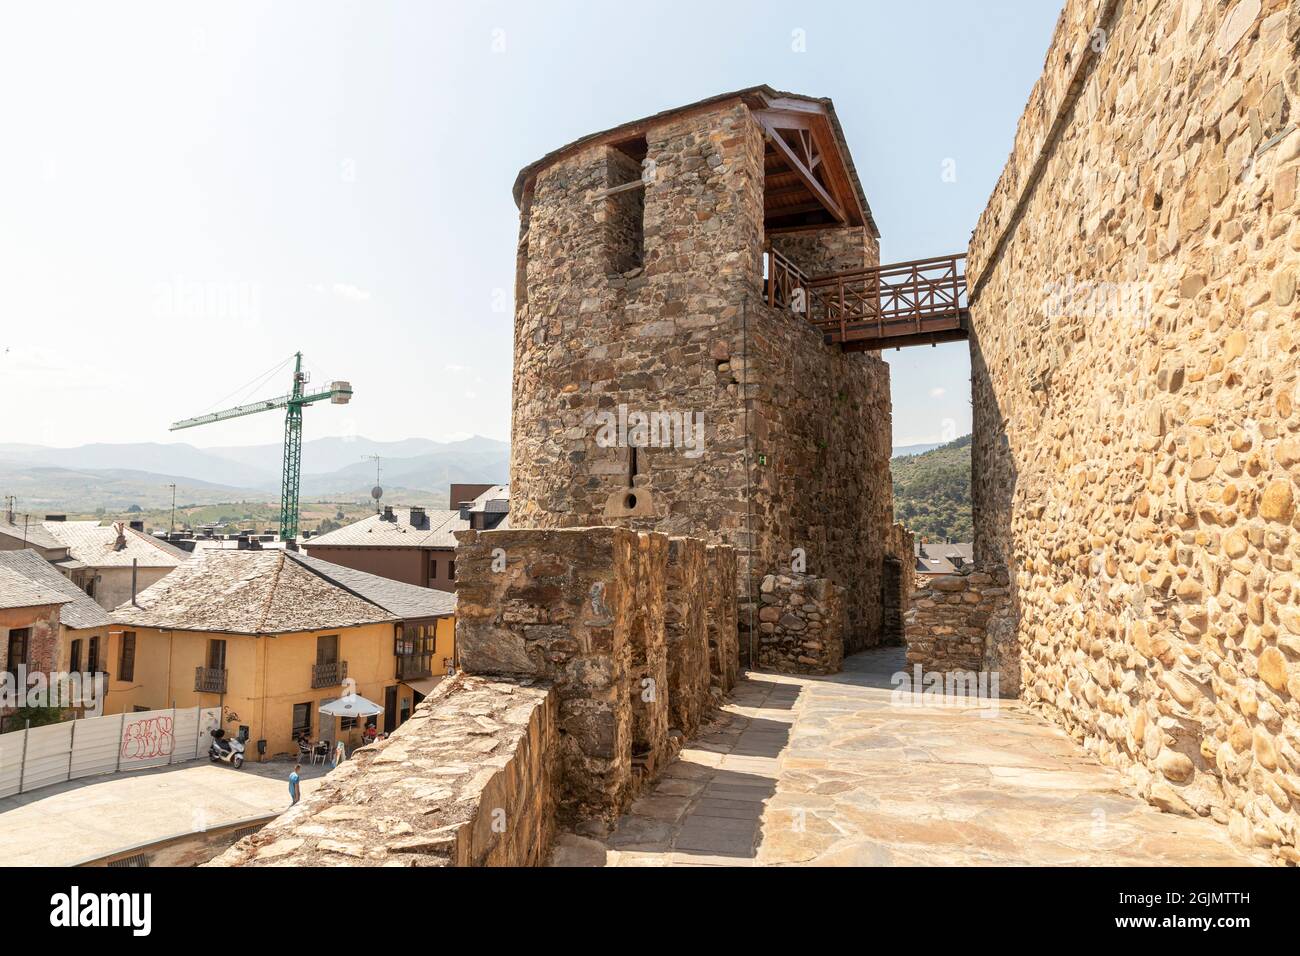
(660, 384)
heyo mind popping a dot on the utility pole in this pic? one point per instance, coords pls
(171, 530)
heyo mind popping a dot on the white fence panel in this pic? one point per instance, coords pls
(11, 762)
(46, 762)
(186, 733)
(209, 720)
(148, 739)
(95, 743)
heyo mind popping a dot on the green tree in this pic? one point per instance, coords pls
(932, 492)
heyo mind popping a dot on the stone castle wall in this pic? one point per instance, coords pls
(1137, 419)
(795, 434)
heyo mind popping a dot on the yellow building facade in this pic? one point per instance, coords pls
(386, 641)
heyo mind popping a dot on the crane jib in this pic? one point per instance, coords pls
(338, 393)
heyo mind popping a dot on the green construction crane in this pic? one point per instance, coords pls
(339, 393)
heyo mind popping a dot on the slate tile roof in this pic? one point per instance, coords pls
(436, 531)
(34, 534)
(78, 609)
(18, 590)
(937, 557)
(271, 592)
(93, 544)
(407, 601)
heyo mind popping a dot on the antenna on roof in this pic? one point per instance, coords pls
(376, 492)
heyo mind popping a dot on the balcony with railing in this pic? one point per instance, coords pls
(329, 674)
(210, 680)
(922, 302)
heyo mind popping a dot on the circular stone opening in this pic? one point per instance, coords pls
(629, 502)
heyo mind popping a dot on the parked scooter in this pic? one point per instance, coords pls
(226, 751)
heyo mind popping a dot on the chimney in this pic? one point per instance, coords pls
(120, 543)
(388, 513)
(137, 525)
(464, 510)
(56, 517)
(417, 516)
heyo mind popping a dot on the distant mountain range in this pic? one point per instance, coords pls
(904, 451)
(115, 476)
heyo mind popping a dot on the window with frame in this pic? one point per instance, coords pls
(327, 649)
(74, 655)
(216, 654)
(19, 642)
(126, 660)
(92, 656)
(302, 719)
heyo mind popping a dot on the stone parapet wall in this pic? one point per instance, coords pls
(686, 635)
(724, 636)
(948, 620)
(617, 622)
(1135, 373)
(563, 606)
(801, 624)
(469, 780)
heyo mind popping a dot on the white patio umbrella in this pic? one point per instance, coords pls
(351, 705)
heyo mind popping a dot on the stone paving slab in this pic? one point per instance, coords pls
(834, 771)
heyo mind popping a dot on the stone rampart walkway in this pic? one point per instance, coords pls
(830, 771)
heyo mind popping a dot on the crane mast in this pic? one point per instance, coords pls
(338, 393)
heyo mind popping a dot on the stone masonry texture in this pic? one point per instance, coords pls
(801, 624)
(616, 621)
(948, 626)
(686, 635)
(657, 306)
(724, 640)
(1136, 410)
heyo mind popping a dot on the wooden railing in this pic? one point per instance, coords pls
(899, 303)
(786, 283)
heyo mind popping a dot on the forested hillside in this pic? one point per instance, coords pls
(932, 492)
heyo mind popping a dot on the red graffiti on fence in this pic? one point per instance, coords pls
(148, 738)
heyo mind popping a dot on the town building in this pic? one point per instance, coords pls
(81, 640)
(19, 532)
(269, 636)
(29, 628)
(942, 557)
(415, 545)
(109, 561)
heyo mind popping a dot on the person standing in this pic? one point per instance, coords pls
(295, 791)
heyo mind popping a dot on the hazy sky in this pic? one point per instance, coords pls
(191, 191)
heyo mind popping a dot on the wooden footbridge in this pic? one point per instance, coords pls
(922, 302)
